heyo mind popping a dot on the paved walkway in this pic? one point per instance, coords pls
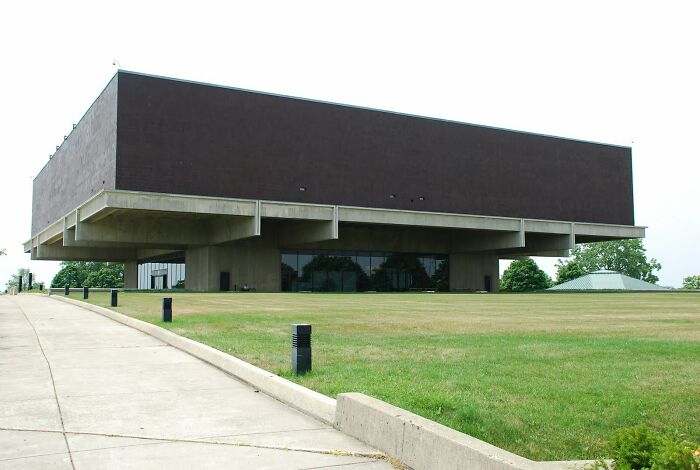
(78, 390)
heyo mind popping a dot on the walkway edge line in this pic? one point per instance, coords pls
(301, 398)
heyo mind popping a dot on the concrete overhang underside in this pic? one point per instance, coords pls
(126, 226)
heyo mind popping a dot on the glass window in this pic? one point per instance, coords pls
(363, 260)
(348, 271)
(289, 272)
(334, 282)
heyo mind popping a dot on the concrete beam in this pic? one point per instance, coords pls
(610, 231)
(141, 231)
(300, 232)
(539, 242)
(61, 253)
(235, 228)
(487, 241)
(309, 232)
(289, 210)
(134, 203)
(177, 203)
(553, 254)
(155, 254)
(427, 219)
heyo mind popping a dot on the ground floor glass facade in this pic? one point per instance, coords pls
(161, 275)
(353, 271)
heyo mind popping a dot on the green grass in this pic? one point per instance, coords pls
(549, 377)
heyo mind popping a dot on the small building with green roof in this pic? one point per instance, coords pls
(605, 280)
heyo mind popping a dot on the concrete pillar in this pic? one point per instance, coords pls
(469, 272)
(256, 262)
(203, 265)
(131, 275)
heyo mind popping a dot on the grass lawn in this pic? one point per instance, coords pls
(547, 376)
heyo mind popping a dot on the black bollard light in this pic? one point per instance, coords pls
(19, 284)
(114, 298)
(301, 348)
(30, 284)
(66, 290)
(86, 292)
(167, 309)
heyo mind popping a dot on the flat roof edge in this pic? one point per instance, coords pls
(367, 108)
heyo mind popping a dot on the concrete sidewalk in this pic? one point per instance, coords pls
(78, 390)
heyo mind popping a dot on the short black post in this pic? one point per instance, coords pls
(301, 349)
(114, 298)
(167, 309)
(30, 284)
(86, 292)
(19, 284)
(66, 290)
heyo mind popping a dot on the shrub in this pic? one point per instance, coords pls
(633, 448)
(640, 448)
(676, 454)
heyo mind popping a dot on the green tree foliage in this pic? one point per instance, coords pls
(334, 263)
(111, 275)
(89, 274)
(3, 252)
(691, 282)
(441, 277)
(524, 275)
(624, 256)
(14, 279)
(568, 271)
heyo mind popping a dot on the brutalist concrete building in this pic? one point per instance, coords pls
(242, 189)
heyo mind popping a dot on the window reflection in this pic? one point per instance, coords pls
(340, 271)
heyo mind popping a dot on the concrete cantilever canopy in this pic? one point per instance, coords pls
(128, 226)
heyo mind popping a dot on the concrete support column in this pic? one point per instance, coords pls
(472, 272)
(131, 275)
(203, 265)
(256, 262)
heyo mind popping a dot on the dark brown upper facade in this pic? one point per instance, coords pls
(146, 133)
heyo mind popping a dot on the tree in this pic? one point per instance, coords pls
(524, 275)
(110, 275)
(89, 274)
(691, 282)
(624, 256)
(568, 271)
(3, 251)
(14, 279)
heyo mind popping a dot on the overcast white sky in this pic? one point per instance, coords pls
(611, 71)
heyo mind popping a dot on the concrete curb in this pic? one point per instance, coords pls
(301, 398)
(416, 441)
(423, 444)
